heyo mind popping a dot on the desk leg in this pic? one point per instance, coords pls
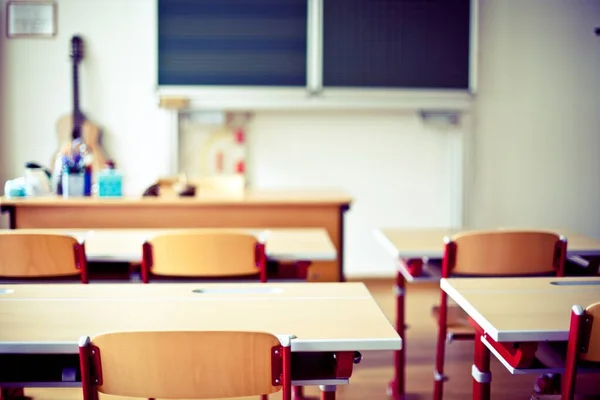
(482, 377)
(396, 387)
(12, 216)
(327, 392)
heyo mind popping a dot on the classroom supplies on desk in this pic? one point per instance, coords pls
(37, 180)
(169, 187)
(110, 181)
(75, 124)
(15, 187)
(76, 171)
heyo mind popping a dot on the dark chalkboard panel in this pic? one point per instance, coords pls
(232, 42)
(396, 43)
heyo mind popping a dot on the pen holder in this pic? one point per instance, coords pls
(73, 184)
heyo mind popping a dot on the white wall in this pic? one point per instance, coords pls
(117, 86)
(397, 170)
(534, 149)
(537, 124)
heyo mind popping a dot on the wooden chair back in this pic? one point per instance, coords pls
(184, 364)
(504, 253)
(583, 344)
(203, 254)
(591, 334)
(41, 255)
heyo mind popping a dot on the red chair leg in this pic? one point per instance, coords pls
(573, 349)
(264, 397)
(440, 354)
(482, 377)
(396, 386)
(12, 393)
(298, 393)
(327, 392)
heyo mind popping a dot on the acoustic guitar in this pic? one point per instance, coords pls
(75, 125)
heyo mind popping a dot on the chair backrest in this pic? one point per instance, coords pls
(185, 364)
(41, 255)
(583, 344)
(204, 254)
(504, 252)
(591, 333)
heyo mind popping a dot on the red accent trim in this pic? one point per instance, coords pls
(560, 257)
(146, 262)
(449, 259)
(260, 258)
(276, 365)
(81, 261)
(12, 393)
(327, 395)
(87, 380)
(518, 355)
(298, 392)
(286, 376)
(414, 266)
(239, 136)
(344, 361)
(240, 167)
(302, 269)
(576, 330)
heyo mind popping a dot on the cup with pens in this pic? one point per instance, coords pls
(76, 171)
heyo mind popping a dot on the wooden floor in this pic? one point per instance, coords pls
(373, 373)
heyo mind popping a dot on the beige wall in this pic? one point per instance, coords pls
(537, 124)
(532, 153)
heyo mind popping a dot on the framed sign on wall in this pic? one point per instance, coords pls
(30, 18)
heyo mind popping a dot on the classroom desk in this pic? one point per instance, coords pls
(330, 322)
(253, 209)
(418, 253)
(495, 305)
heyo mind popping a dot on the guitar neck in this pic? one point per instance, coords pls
(77, 116)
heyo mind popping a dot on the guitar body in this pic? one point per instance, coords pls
(90, 134)
(76, 125)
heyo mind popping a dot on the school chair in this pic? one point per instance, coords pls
(583, 351)
(30, 256)
(189, 254)
(185, 364)
(491, 253)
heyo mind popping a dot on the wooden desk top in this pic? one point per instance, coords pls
(249, 197)
(523, 309)
(125, 245)
(322, 316)
(429, 242)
